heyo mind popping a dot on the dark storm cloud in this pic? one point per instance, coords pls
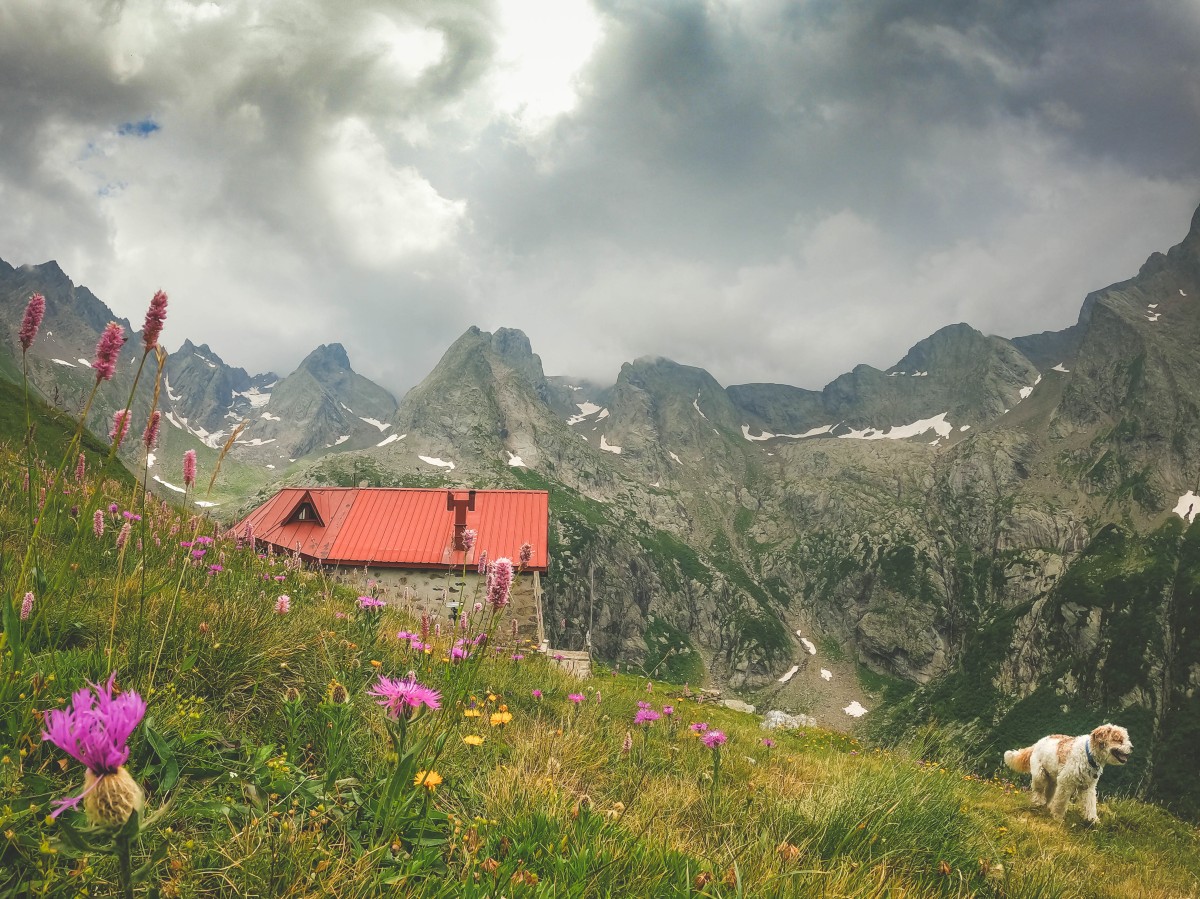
(772, 190)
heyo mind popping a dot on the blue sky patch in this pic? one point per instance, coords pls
(144, 128)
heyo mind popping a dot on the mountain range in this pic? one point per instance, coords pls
(995, 532)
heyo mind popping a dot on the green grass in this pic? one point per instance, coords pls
(260, 784)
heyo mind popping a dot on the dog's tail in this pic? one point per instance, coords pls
(1018, 759)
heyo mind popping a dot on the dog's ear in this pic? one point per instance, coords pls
(1108, 735)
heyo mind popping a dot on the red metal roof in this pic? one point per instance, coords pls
(402, 528)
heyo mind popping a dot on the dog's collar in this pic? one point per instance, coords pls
(1087, 745)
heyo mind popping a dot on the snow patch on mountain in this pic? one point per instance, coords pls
(440, 463)
(791, 672)
(267, 416)
(1187, 507)
(937, 424)
(586, 410)
(608, 447)
(375, 423)
(515, 461)
(391, 438)
(63, 362)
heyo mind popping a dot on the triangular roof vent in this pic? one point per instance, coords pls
(305, 510)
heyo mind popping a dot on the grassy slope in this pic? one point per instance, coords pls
(267, 797)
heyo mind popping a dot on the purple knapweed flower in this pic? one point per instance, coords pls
(646, 716)
(155, 316)
(150, 435)
(668, 711)
(107, 350)
(404, 697)
(699, 727)
(34, 310)
(120, 426)
(517, 656)
(26, 606)
(575, 697)
(371, 603)
(283, 605)
(189, 468)
(498, 591)
(536, 694)
(95, 731)
(768, 743)
(713, 738)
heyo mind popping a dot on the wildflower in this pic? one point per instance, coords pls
(427, 779)
(405, 635)
(536, 694)
(713, 738)
(473, 740)
(34, 310)
(598, 697)
(668, 711)
(123, 535)
(482, 568)
(371, 604)
(189, 468)
(469, 536)
(198, 554)
(26, 606)
(98, 523)
(627, 743)
(291, 694)
(575, 697)
(338, 694)
(120, 426)
(472, 713)
(499, 719)
(768, 743)
(478, 607)
(404, 697)
(81, 469)
(107, 350)
(516, 656)
(699, 727)
(150, 435)
(498, 591)
(646, 716)
(215, 569)
(649, 686)
(526, 554)
(283, 605)
(155, 316)
(113, 508)
(95, 731)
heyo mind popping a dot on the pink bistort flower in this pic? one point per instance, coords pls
(189, 468)
(120, 426)
(98, 523)
(107, 350)
(150, 435)
(32, 320)
(499, 589)
(283, 605)
(26, 606)
(155, 316)
(526, 554)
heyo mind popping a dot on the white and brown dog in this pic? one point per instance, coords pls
(1066, 768)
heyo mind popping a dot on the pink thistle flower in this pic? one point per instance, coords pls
(405, 697)
(575, 697)
(526, 554)
(483, 565)
(768, 743)
(713, 738)
(107, 350)
(469, 536)
(123, 535)
(94, 730)
(668, 711)
(81, 468)
(120, 426)
(371, 603)
(98, 523)
(150, 435)
(536, 694)
(189, 468)
(155, 316)
(516, 656)
(34, 310)
(498, 591)
(283, 605)
(699, 727)
(26, 606)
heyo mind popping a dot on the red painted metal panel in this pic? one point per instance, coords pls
(407, 528)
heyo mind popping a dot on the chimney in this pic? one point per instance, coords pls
(460, 505)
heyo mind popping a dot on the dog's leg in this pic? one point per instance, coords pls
(1042, 787)
(1089, 805)
(1060, 796)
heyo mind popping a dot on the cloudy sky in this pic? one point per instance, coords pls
(772, 190)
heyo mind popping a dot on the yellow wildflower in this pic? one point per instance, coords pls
(427, 779)
(499, 718)
(473, 740)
